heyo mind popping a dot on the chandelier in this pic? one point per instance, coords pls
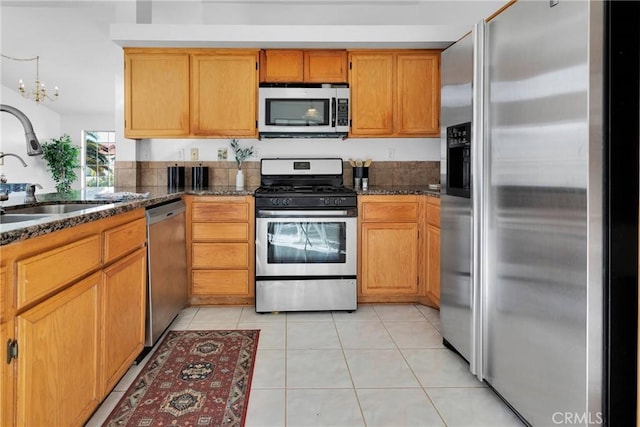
(38, 93)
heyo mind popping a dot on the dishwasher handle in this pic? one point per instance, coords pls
(164, 212)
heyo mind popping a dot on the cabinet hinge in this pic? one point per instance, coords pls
(256, 65)
(350, 65)
(12, 350)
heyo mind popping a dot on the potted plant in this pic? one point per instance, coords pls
(241, 155)
(62, 157)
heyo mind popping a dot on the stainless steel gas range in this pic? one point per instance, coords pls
(306, 236)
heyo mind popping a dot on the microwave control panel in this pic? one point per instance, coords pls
(342, 112)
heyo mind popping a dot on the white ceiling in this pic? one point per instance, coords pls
(77, 52)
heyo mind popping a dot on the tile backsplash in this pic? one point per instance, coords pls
(223, 173)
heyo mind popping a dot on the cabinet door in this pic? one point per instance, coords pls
(389, 258)
(156, 94)
(58, 360)
(433, 263)
(371, 82)
(418, 94)
(224, 94)
(123, 316)
(325, 66)
(6, 370)
(282, 66)
(6, 377)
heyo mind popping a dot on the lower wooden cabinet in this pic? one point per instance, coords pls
(390, 259)
(433, 264)
(73, 332)
(399, 249)
(59, 356)
(389, 253)
(6, 377)
(123, 322)
(432, 250)
(221, 249)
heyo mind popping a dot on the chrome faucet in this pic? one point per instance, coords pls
(13, 155)
(33, 146)
(30, 197)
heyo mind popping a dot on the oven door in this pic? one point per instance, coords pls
(295, 244)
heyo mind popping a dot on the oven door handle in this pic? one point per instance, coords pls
(306, 213)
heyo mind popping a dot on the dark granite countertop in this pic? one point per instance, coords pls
(17, 231)
(399, 190)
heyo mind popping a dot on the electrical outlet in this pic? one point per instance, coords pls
(391, 153)
(194, 154)
(222, 154)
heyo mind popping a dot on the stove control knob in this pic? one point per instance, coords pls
(286, 201)
(275, 201)
(338, 201)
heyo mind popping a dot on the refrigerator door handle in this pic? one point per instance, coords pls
(476, 361)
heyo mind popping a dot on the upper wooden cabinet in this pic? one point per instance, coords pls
(325, 66)
(308, 66)
(281, 66)
(173, 93)
(223, 93)
(156, 94)
(395, 93)
(371, 80)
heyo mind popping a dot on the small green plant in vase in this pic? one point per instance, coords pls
(241, 154)
(62, 158)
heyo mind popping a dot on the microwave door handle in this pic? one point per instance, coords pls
(334, 113)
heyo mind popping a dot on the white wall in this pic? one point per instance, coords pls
(380, 149)
(46, 125)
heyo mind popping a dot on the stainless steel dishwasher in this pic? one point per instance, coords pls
(167, 267)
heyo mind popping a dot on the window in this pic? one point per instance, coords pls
(98, 158)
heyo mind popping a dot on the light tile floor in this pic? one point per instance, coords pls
(382, 365)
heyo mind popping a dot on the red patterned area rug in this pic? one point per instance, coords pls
(195, 378)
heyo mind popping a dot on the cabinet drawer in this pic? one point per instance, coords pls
(220, 231)
(45, 272)
(391, 211)
(220, 212)
(220, 255)
(433, 215)
(226, 282)
(121, 240)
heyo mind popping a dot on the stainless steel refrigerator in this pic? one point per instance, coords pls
(539, 239)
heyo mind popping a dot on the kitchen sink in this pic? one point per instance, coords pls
(56, 209)
(12, 218)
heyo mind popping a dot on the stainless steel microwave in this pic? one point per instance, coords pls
(320, 111)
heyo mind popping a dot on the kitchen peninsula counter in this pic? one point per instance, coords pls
(17, 231)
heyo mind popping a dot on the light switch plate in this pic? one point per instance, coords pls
(194, 154)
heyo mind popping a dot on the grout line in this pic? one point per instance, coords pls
(353, 384)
